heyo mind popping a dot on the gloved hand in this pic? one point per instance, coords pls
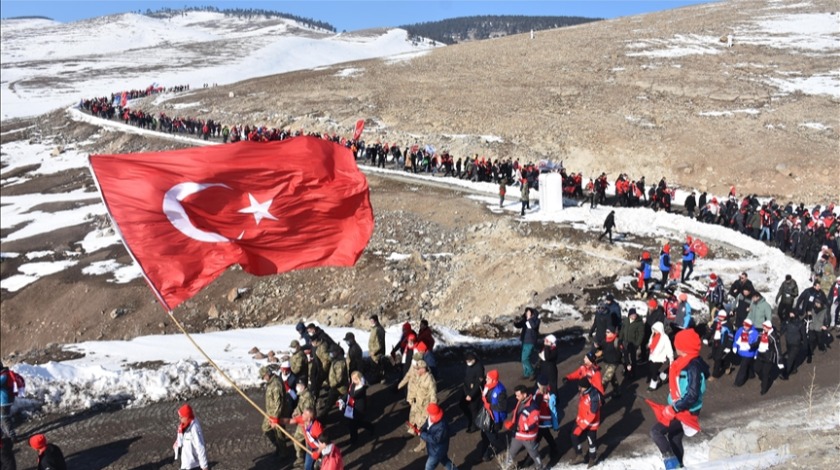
(340, 404)
(727, 351)
(706, 342)
(781, 367)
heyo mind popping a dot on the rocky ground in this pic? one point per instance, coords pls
(615, 96)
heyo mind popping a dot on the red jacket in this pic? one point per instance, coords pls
(589, 411)
(526, 417)
(311, 434)
(593, 373)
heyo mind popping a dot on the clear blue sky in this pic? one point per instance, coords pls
(352, 15)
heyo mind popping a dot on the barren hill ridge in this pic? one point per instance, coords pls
(655, 95)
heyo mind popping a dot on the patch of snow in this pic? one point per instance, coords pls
(349, 72)
(397, 257)
(815, 125)
(38, 254)
(98, 239)
(749, 111)
(404, 57)
(32, 272)
(122, 273)
(825, 84)
(186, 105)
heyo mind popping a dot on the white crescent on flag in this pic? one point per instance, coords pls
(178, 216)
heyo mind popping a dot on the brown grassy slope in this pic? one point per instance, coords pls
(575, 94)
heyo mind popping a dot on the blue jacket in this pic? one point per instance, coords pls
(7, 396)
(664, 262)
(436, 437)
(429, 357)
(683, 319)
(497, 398)
(692, 386)
(646, 269)
(752, 339)
(688, 253)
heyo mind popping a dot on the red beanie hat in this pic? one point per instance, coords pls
(688, 342)
(186, 411)
(713, 276)
(38, 442)
(406, 327)
(434, 409)
(493, 375)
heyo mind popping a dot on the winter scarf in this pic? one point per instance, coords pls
(654, 340)
(688, 342)
(185, 412)
(764, 340)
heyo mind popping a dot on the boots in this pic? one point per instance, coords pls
(671, 463)
(593, 460)
(578, 459)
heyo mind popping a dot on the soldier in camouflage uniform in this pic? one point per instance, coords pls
(298, 362)
(322, 350)
(376, 349)
(422, 390)
(338, 379)
(275, 401)
(305, 401)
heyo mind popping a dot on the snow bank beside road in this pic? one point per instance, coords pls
(153, 368)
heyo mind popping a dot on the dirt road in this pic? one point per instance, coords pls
(142, 438)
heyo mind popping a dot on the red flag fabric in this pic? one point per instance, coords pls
(187, 215)
(690, 422)
(124, 99)
(700, 248)
(360, 126)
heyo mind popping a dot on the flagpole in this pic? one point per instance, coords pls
(232, 383)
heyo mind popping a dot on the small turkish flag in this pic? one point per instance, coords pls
(187, 215)
(360, 126)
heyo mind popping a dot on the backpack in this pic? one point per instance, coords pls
(16, 384)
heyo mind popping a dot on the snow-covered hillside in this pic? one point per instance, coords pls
(47, 64)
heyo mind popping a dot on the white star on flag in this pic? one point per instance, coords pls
(259, 209)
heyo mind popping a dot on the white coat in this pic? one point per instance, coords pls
(191, 443)
(663, 349)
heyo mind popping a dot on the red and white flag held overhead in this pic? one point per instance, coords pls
(360, 126)
(187, 215)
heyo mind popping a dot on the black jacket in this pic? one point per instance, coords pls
(695, 369)
(548, 366)
(52, 459)
(609, 222)
(773, 354)
(474, 380)
(359, 396)
(794, 332)
(354, 356)
(806, 299)
(738, 287)
(530, 328)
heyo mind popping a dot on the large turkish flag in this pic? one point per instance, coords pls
(186, 215)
